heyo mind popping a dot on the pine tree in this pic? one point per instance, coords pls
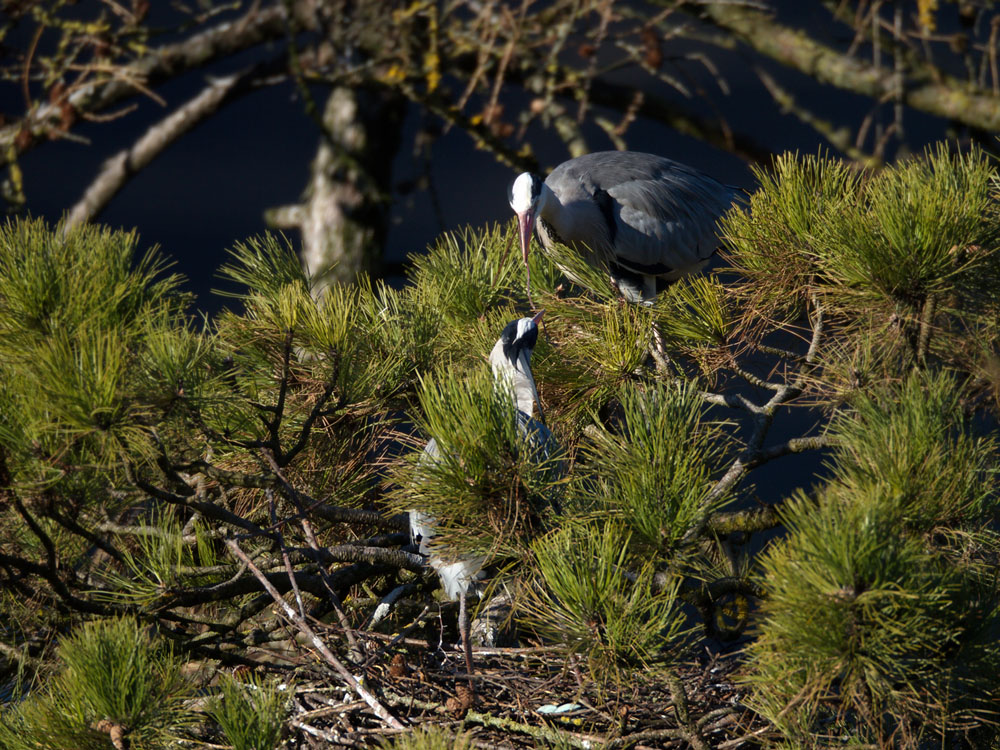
(225, 493)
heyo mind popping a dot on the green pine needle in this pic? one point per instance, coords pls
(251, 711)
(594, 599)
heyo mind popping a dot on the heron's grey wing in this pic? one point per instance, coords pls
(669, 223)
(665, 212)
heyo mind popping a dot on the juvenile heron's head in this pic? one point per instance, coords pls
(511, 360)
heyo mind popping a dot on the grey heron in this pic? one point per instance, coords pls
(648, 220)
(510, 361)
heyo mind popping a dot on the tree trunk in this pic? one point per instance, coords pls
(344, 214)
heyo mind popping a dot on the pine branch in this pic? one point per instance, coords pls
(926, 327)
(239, 587)
(754, 379)
(59, 587)
(274, 425)
(689, 729)
(283, 459)
(353, 553)
(754, 455)
(205, 507)
(337, 514)
(98, 542)
(186, 538)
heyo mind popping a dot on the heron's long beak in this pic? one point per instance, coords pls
(538, 317)
(526, 225)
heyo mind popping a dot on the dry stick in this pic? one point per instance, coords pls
(463, 628)
(336, 739)
(126, 163)
(284, 555)
(325, 652)
(357, 656)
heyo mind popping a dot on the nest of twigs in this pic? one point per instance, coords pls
(523, 697)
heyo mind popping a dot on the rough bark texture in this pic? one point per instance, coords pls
(344, 213)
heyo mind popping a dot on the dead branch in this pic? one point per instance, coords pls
(349, 679)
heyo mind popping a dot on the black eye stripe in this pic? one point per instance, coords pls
(512, 345)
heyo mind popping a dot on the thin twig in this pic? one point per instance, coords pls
(754, 455)
(321, 647)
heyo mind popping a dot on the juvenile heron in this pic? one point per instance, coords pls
(510, 360)
(646, 219)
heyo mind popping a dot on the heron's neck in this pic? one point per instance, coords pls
(516, 377)
(579, 224)
(548, 206)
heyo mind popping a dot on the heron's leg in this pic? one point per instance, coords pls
(648, 290)
(659, 352)
(658, 340)
(463, 631)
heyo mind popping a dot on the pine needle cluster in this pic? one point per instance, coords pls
(114, 681)
(882, 610)
(596, 596)
(250, 711)
(489, 482)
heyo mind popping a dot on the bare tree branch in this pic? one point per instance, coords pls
(124, 165)
(939, 95)
(164, 63)
(320, 646)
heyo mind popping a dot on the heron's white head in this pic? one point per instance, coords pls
(511, 360)
(525, 194)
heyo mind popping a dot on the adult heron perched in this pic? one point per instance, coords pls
(510, 360)
(647, 220)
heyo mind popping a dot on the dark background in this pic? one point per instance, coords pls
(210, 189)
